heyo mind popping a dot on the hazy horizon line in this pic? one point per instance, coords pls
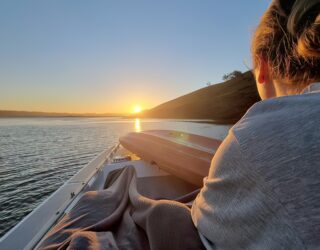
(5, 112)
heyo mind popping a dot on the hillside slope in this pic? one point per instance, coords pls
(224, 102)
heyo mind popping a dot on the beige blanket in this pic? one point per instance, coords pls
(120, 218)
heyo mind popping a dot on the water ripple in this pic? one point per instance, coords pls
(38, 155)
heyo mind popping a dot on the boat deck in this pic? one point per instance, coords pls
(151, 182)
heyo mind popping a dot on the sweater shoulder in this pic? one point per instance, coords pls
(276, 118)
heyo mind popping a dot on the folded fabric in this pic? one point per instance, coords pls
(118, 217)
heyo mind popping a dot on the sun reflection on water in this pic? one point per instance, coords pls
(137, 125)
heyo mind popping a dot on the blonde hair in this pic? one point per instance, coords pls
(288, 38)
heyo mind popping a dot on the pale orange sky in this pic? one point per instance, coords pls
(121, 103)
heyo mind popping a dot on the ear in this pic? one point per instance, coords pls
(262, 72)
(264, 81)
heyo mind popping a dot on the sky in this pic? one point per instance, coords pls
(108, 56)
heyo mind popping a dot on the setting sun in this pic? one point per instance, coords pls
(137, 109)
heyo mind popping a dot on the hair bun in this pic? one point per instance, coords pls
(284, 7)
(304, 24)
(309, 41)
(303, 12)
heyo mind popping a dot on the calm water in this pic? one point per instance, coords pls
(37, 155)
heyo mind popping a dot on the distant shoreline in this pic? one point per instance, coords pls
(63, 116)
(22, 114)
(28, 114)
(223, 103)
(205, 121)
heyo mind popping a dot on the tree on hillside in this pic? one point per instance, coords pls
(231, 75)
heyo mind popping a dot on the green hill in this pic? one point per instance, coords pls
(223, 103)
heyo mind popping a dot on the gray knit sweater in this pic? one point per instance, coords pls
(263, 188)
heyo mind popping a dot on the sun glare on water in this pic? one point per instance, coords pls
(137, 125)
(137, 109)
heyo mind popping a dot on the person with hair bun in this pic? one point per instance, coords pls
(263, 187)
